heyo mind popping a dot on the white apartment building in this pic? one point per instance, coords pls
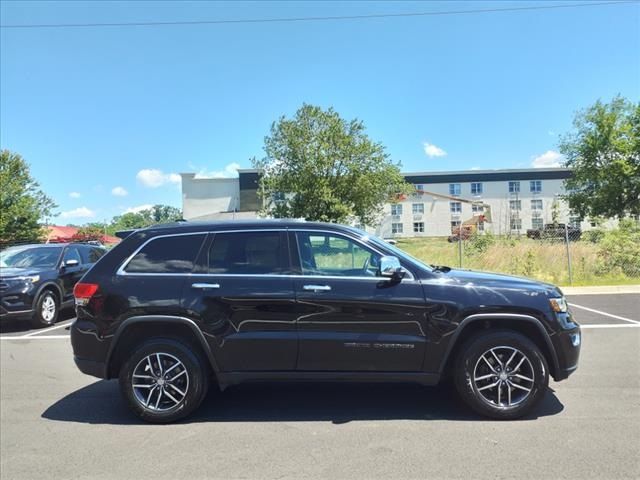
(519, 199)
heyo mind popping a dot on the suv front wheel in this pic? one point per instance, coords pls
(46, 311)
(164, 380)
(502, 375)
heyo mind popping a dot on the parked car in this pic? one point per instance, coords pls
(36, 281)
(557, 231)
(174, 308)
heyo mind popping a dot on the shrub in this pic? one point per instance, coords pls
(620, 248)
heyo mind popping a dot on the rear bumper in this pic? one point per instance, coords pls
(90, 367)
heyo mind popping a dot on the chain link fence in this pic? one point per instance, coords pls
(562, 255)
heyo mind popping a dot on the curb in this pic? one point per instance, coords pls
(601, 290)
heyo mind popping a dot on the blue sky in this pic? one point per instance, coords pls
(108, 116)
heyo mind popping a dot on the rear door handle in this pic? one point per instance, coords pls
(317, 288)
(204, 286)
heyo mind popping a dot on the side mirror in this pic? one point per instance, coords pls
(390, 267)
(71, 263)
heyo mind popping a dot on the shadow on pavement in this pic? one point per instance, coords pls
(101, 403)
(23, 326)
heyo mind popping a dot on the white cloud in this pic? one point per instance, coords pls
(81, 212)
(139, 208)
(432, 150)
(154, 178)
(74, 195)
(230, 171)
(119, 192)
(548, 159)
(475, 168)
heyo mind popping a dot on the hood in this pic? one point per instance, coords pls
(11, 272)
(498, 280)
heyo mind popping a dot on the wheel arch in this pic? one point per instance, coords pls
(50, 285)
(139, 327)
(527, 325)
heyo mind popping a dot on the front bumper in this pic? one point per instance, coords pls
(567, 344)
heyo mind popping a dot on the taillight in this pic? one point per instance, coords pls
(84, 291)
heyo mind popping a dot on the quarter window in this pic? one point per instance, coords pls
(333, 255)
(247, 253)
(174, 254)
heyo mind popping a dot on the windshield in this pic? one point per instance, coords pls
(25, 257)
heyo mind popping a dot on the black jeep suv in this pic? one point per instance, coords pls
(36, 281)
(173, 308)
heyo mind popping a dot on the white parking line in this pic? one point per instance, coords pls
(44, 337)
(615, 325)
(599, 312)
(38, 332)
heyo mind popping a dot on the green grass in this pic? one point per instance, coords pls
(541, 260)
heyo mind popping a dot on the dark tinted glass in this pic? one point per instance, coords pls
(247, 253)
(71, 253)
(91, 254)
(167, 255)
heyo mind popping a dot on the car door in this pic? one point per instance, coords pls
(351, 319)
(244, 298)
(71, 270)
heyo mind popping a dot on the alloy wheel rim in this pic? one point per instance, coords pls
(503, 377)
(48, 309)
(160, 382)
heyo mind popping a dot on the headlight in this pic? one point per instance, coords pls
(29, 278)
(558, 305)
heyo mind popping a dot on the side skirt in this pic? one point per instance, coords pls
(226, 379)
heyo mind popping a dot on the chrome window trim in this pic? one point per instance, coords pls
(121, 270)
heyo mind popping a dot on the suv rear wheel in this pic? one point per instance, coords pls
(501, 375)
(164, 380)
(46, 311)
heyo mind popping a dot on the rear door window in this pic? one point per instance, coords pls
(71, 253)
(248, 253)
(172, 254)
(91, 254)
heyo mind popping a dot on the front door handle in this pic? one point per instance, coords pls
(317, 288)
(204, 286)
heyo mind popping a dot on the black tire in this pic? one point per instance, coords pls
(46, 310)
(505, 401)
(197, 380)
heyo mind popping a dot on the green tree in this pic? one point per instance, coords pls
(321, 167)
(604, 153)
(22, 203)
(144, 218)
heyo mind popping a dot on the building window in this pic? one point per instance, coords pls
(456, 207)
(477, 209)
(418, 227)
(419, 187)
(396, 209)
(396, 228)
(536, 204)
(535, 186)
(574, 221)
(455, 223)
(516, 223)
(515, 204)
(476, 188)
(454, 189)
(514, 187)
(417, 208)
(536, 223)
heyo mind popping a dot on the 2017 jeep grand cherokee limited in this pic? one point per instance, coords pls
(173, 308)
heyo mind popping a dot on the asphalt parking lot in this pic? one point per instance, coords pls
(57, 423)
